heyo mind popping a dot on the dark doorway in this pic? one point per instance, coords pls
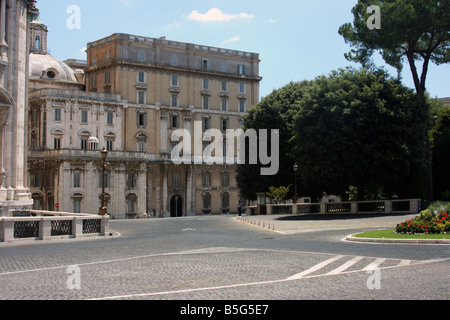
(176, 207)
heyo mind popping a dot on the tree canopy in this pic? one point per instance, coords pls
(352, 128)
(363, 129)
(411, 30)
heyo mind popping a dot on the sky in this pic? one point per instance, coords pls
(296, 39)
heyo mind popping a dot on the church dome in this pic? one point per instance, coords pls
(46, 67)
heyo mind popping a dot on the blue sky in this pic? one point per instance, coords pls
(296, 40)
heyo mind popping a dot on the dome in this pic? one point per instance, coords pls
(46, 67)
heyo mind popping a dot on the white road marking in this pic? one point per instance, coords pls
(315, 268)
(345, 266)
(374, 264)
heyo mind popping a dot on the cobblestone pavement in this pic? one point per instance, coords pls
(219, 258)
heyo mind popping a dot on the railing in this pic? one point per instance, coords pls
(411, 206)
(46, 225)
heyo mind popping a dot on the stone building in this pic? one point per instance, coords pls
(130, 97)
(14, 24)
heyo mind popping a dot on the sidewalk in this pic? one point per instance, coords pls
(293, 224)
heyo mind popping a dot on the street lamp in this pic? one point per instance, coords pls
(103, 211)
(295, 177)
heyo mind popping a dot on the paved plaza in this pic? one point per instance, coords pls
(220, 258)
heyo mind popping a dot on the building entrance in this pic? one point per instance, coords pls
(176, 206)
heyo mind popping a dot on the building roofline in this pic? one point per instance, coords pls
(172, 44)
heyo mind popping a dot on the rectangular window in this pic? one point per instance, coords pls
(107, 180)
(224, 125)
(141, 56)
(141, 118)
(174, 100)
(175, 122)
(174, 81)
(242, 106)
(241, 69)
(109, 145)
(94, 80)
(176, 181)
(141, 76)
(142, 146)
(141, 97)
(84, 116)
(206, 103)
(109, 117)
(206, 124)
(57, 114)
(223, 67)
(225, 180)
(57, 143)
(107, 77)
(205, 84)
(76, 180)
(76, 206)
(224, 86)
(174, 60)
(83, 144)
(205, 65)
(131, 180)
(37, 183)
(224, 103)
(206, 180)
(241, 87)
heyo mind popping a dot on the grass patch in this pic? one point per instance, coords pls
(390, 234)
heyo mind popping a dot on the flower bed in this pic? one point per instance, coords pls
(433, 220)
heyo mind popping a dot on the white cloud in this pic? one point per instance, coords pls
(216, 15)
(234, 39)
(272, 21)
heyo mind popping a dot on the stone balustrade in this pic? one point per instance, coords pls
(408, 206)
(46, 225)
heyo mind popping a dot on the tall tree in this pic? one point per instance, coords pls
(411, 30)
(360, 128)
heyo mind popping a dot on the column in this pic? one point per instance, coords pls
(165, 191)
(164, 133)
(189, 188)
(3, 44)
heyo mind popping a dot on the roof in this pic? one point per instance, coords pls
(47, 67)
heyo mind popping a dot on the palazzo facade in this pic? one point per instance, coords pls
(129, 97)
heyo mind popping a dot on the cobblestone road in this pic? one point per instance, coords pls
(220, 258)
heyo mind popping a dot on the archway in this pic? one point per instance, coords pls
(176, 206)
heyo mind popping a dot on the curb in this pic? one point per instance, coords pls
(398, 241)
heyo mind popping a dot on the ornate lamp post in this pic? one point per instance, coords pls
(295, 177)
(103, 211)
